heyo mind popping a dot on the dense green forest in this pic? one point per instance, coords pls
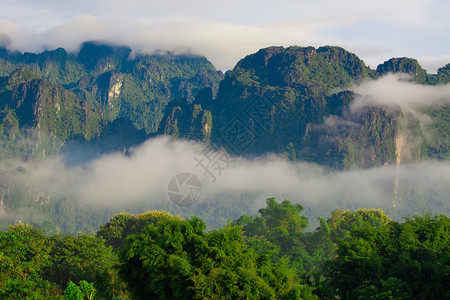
(360, 254)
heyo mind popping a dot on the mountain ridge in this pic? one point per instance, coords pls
(137, 82)
(294, 102)
(297, 89)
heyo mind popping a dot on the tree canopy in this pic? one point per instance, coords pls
(360, 254)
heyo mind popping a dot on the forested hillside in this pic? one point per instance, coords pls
(359, 254)
(300, 103)
(118, 81)
(296, 101)
(280, 100)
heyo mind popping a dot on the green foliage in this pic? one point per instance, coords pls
(177, 259)
(278, 231)
(275, 218)
(24, 253)
(346, 220)
(373, 143)
(351, 255)
(109, 285)
(404, 65)
(40, 107)
(115, 231)
(79, 258)
(102, 90)
(357, 255)
(70, 95)
(85, 291)
(393, 260)
(73, 292)
(438, 145)
(285, 215)
(443, 74)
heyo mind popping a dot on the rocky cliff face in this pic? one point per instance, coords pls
(295, 100)
(119, 81)
(292, 101)
(278, 94)
(51, 108)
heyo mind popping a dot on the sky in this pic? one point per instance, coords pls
(226, 31)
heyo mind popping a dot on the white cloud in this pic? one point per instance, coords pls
(396, 91)
(227, 31)
(144, 176)
(223, 43)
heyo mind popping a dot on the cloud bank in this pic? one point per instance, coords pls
(227, 31)
(222, 43)
(398, 91)
(144, 176)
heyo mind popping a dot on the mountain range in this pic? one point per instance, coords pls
(276, 99)
(300, 103)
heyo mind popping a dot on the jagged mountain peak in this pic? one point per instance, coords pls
(403, 65)
(168, 93)
(20, 75)
(301, 67)
(100, 56)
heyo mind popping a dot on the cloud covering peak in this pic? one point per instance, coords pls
(398, 90)
(227, 31)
